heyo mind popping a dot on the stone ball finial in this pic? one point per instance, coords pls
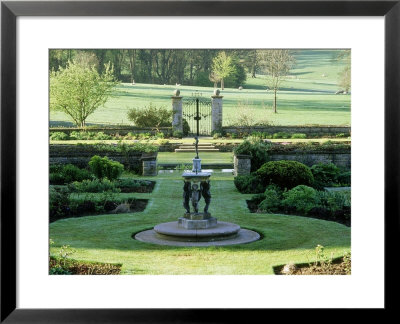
(216, 92)
(177, 92)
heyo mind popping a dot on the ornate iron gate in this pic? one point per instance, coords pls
(197, 113)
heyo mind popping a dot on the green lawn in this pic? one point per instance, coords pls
(306, 97)
(108, 238)
(206, 157)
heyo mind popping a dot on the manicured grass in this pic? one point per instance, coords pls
(214, 157)
(108, 238)
(307, 97)
(205, 140)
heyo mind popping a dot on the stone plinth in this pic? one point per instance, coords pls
(149, 166)
(216, 113)
(242, 164)
(196, 177)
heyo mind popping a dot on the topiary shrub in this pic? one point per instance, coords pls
(285, 174)
(325, 175)
(300, 199)
(272, 201)
(105, 168)
(256, 149)
(249, 184)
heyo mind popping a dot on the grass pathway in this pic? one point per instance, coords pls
(107, 238)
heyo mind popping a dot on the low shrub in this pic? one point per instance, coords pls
(299, 135)
(344, 178)
(177, 134)
(105, 168)
(285, 174)
(249, 184)
(325, 175)
(95, 185)
(59, 136)
(58, 202)
(300, 199)
(280, 135)
(102, 136)
(272, 201)
(186, 127)
(151, 116)
(217, 135)
(256, 149)
(68, 173)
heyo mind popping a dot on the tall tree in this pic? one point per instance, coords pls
(277, 64)
(78, 90)
(344, 80)
(132, 63)
(222, 67)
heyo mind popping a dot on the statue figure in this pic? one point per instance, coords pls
(186, 196)
(196, 196)
(205, 191)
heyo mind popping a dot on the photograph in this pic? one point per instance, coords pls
(199, 161)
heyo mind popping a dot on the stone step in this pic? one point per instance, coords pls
(193, 150)
(200, 147)
(200, 144)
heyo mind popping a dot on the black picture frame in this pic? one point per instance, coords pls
(10, 10)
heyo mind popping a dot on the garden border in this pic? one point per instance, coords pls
(10, 10)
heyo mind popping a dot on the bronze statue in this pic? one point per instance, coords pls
(205, 191)
(186, 196)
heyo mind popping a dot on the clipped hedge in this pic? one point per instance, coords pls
(285, 174)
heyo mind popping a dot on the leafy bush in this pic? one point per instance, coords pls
(95, 185)
(249, 184)
(325, 174)
(102, 136)
(344, 178)
(151, 116)
(58, 202)
(334, 200)
(256, 149)
(177, 134)
(186, 127)
(299, 135)
(281, 135)
(59, 136)
(300, 199)
(272, 201)
(217, 135)
(285, 174)
(68, 173)
(105, 168)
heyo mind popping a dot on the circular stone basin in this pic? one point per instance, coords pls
(172, 234)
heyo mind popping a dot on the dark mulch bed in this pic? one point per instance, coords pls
(318, 213)
(82, 268)
(88, 208)
(338, 267)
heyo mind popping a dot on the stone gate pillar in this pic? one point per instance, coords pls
(177, 112)
(216, 111)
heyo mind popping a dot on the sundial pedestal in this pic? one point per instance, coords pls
(197, 221)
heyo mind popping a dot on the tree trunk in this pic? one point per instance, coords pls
(222, 84)
(275, 90)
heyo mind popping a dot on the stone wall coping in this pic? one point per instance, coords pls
(217, 97)
(242, 156)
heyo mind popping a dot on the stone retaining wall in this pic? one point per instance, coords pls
(290, 129)
(81, 155)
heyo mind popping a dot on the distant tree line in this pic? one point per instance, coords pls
(164, 66)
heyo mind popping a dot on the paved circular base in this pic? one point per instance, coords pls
(240, 237)
(220, 230)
